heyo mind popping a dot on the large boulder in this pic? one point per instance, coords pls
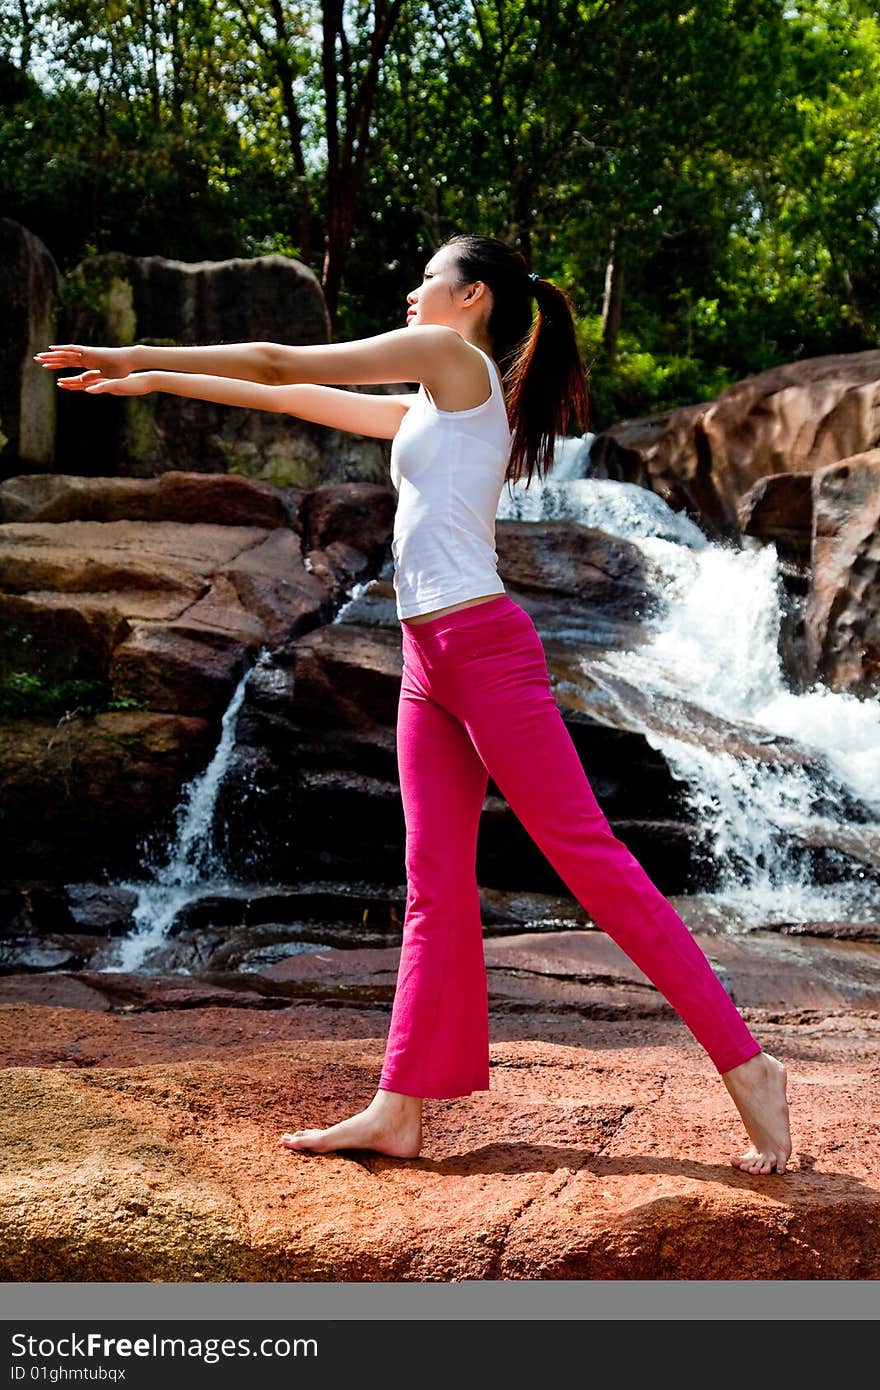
(29, 296)
(117, 299)
(843, 607)
(703, 458)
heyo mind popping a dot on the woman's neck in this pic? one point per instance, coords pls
(480, 340)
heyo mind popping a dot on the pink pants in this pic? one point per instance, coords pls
(475, 700)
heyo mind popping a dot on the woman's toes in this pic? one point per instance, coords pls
(294, 1140)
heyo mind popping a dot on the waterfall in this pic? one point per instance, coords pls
(192, 864)
(787, 822)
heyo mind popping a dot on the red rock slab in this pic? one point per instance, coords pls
(577, 1164)
(202, 549)
(764, 970)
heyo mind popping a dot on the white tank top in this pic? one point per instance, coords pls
(448, 467)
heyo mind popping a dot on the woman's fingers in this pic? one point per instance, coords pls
(116, 386)
(78, 383)
(67, 355)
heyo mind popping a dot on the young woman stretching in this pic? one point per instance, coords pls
(475, 697)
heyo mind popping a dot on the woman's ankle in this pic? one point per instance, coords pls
(398, 1101)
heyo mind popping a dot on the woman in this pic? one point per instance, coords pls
(475, 696)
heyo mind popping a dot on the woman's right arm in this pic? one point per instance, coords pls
(243, 361)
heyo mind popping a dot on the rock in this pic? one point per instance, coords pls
(795, 418)
(154, 610)
(779, 509)
(75, 795)
(599, 1152)
(99, 907)
(574, 562)
(29, 292)
(165, 611)
(837, 931)
(38, 956)
(122, 299)
(170, 667)
(273, 584)
(842, 623)
(359, 515)
(218, 500)
(339, 568)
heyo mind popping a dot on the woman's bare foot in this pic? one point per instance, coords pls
(391, 1124)
(758, 1088)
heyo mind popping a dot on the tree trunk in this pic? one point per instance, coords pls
(303, 222)
(25, 36)
(612, 302)
(347, 148)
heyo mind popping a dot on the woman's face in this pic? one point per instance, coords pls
(437, 298)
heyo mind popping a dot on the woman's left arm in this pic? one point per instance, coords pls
(423, 352)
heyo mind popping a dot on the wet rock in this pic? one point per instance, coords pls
(27, 954)
(574, 562)
(836, 931)
(778, 510)
(99, 907)
(74, 794)
(339, 568)
(35, 908)
(656, 452)
(842, 624)
(29, 292)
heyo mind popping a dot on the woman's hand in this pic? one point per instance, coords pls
(94, 384)
(107, 362)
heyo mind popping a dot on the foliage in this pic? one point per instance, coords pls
(728, 148)
(24, 693)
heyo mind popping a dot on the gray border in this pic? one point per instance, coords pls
(612, 1300)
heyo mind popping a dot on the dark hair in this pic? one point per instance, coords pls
(545, 381)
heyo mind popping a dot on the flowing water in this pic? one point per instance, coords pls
(194, 863)
(773, 830)
(788, 825)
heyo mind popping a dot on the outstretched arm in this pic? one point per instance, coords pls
(431, 353)
(373, 415)
(242, 361)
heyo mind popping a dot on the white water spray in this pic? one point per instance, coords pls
(192, 866)
(763, 821)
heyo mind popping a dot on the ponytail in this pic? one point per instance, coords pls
(545, 381)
